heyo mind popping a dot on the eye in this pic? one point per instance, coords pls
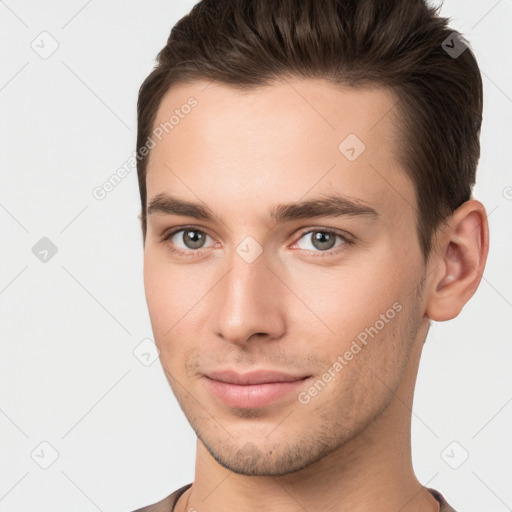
(187, 240)
(321, 240)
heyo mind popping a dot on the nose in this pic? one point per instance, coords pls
(250, 301)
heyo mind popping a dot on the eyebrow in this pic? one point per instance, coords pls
(330, 205)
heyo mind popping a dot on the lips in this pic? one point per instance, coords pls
(254, 377)
(254, 389)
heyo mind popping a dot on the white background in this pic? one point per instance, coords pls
(69, 326)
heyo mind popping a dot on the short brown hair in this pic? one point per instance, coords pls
(398, 44)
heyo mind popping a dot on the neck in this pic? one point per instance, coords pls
(373, 471)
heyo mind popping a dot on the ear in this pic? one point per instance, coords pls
(458, 261)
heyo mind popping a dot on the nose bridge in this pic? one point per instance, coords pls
(248, 297)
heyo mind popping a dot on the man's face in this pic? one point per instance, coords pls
(296, 293)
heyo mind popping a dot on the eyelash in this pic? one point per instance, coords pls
(191, 253)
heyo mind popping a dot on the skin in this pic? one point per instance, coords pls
(296, 307)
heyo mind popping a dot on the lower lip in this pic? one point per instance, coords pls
(252, 396)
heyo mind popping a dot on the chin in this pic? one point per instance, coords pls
(275, 460)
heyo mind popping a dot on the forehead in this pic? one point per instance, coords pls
(278, 143)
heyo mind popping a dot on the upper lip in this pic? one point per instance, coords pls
(253, 377)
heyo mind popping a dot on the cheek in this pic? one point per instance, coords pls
(165, 292)
(162, 293)
(155, 284)
(345, 301)
(176, 298)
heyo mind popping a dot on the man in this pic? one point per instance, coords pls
(305, 170)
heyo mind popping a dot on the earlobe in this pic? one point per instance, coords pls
(461, 256)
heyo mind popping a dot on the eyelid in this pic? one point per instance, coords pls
(347, 237)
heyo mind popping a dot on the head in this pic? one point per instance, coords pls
(305, 172)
